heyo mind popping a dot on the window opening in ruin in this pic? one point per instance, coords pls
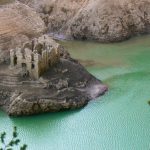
(15, 60)
(24, 70)
(39, 48)
(32, 46)
(32, 57)
(23, 53)
(24, 65)
(32, 66)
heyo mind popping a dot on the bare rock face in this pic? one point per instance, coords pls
(101, 20)
(18, 23)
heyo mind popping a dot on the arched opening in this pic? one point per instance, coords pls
(24, 70)
(15, 60)
(39, 48)
(32, 57)
(32, 66)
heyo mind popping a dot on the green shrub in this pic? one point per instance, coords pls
(14, 142)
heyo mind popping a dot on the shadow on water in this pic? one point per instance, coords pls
(48, 119)
(32, 126)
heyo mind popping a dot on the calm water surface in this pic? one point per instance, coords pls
(120, 120)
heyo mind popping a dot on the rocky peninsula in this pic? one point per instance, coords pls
(37, 74)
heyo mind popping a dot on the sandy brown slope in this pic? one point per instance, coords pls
(102, 20)
(18, 22)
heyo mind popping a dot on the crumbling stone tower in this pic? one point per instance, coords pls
(35, 57)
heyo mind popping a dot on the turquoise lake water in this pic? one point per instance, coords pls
(119, 120)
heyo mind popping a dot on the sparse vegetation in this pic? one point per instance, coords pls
(9, 145)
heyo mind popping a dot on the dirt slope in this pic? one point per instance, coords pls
(102, 20)
(18, 22)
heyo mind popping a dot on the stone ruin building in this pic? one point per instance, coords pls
(35, 57)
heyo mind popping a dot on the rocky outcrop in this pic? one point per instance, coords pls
(65, 85)
(71, 90)
(101, 20)
(18, 23)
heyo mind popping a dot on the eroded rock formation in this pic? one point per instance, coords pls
(65, 84)
(101, 20)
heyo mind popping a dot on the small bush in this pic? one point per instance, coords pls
(15, 141)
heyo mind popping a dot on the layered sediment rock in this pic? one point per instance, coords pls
(64, 85)
(101, 20)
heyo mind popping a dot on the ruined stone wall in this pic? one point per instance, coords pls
(33, 61)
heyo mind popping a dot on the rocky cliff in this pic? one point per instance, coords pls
(101, 20)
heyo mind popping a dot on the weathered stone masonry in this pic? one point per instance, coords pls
(35, 57)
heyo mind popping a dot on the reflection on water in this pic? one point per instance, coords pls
(117, 121)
